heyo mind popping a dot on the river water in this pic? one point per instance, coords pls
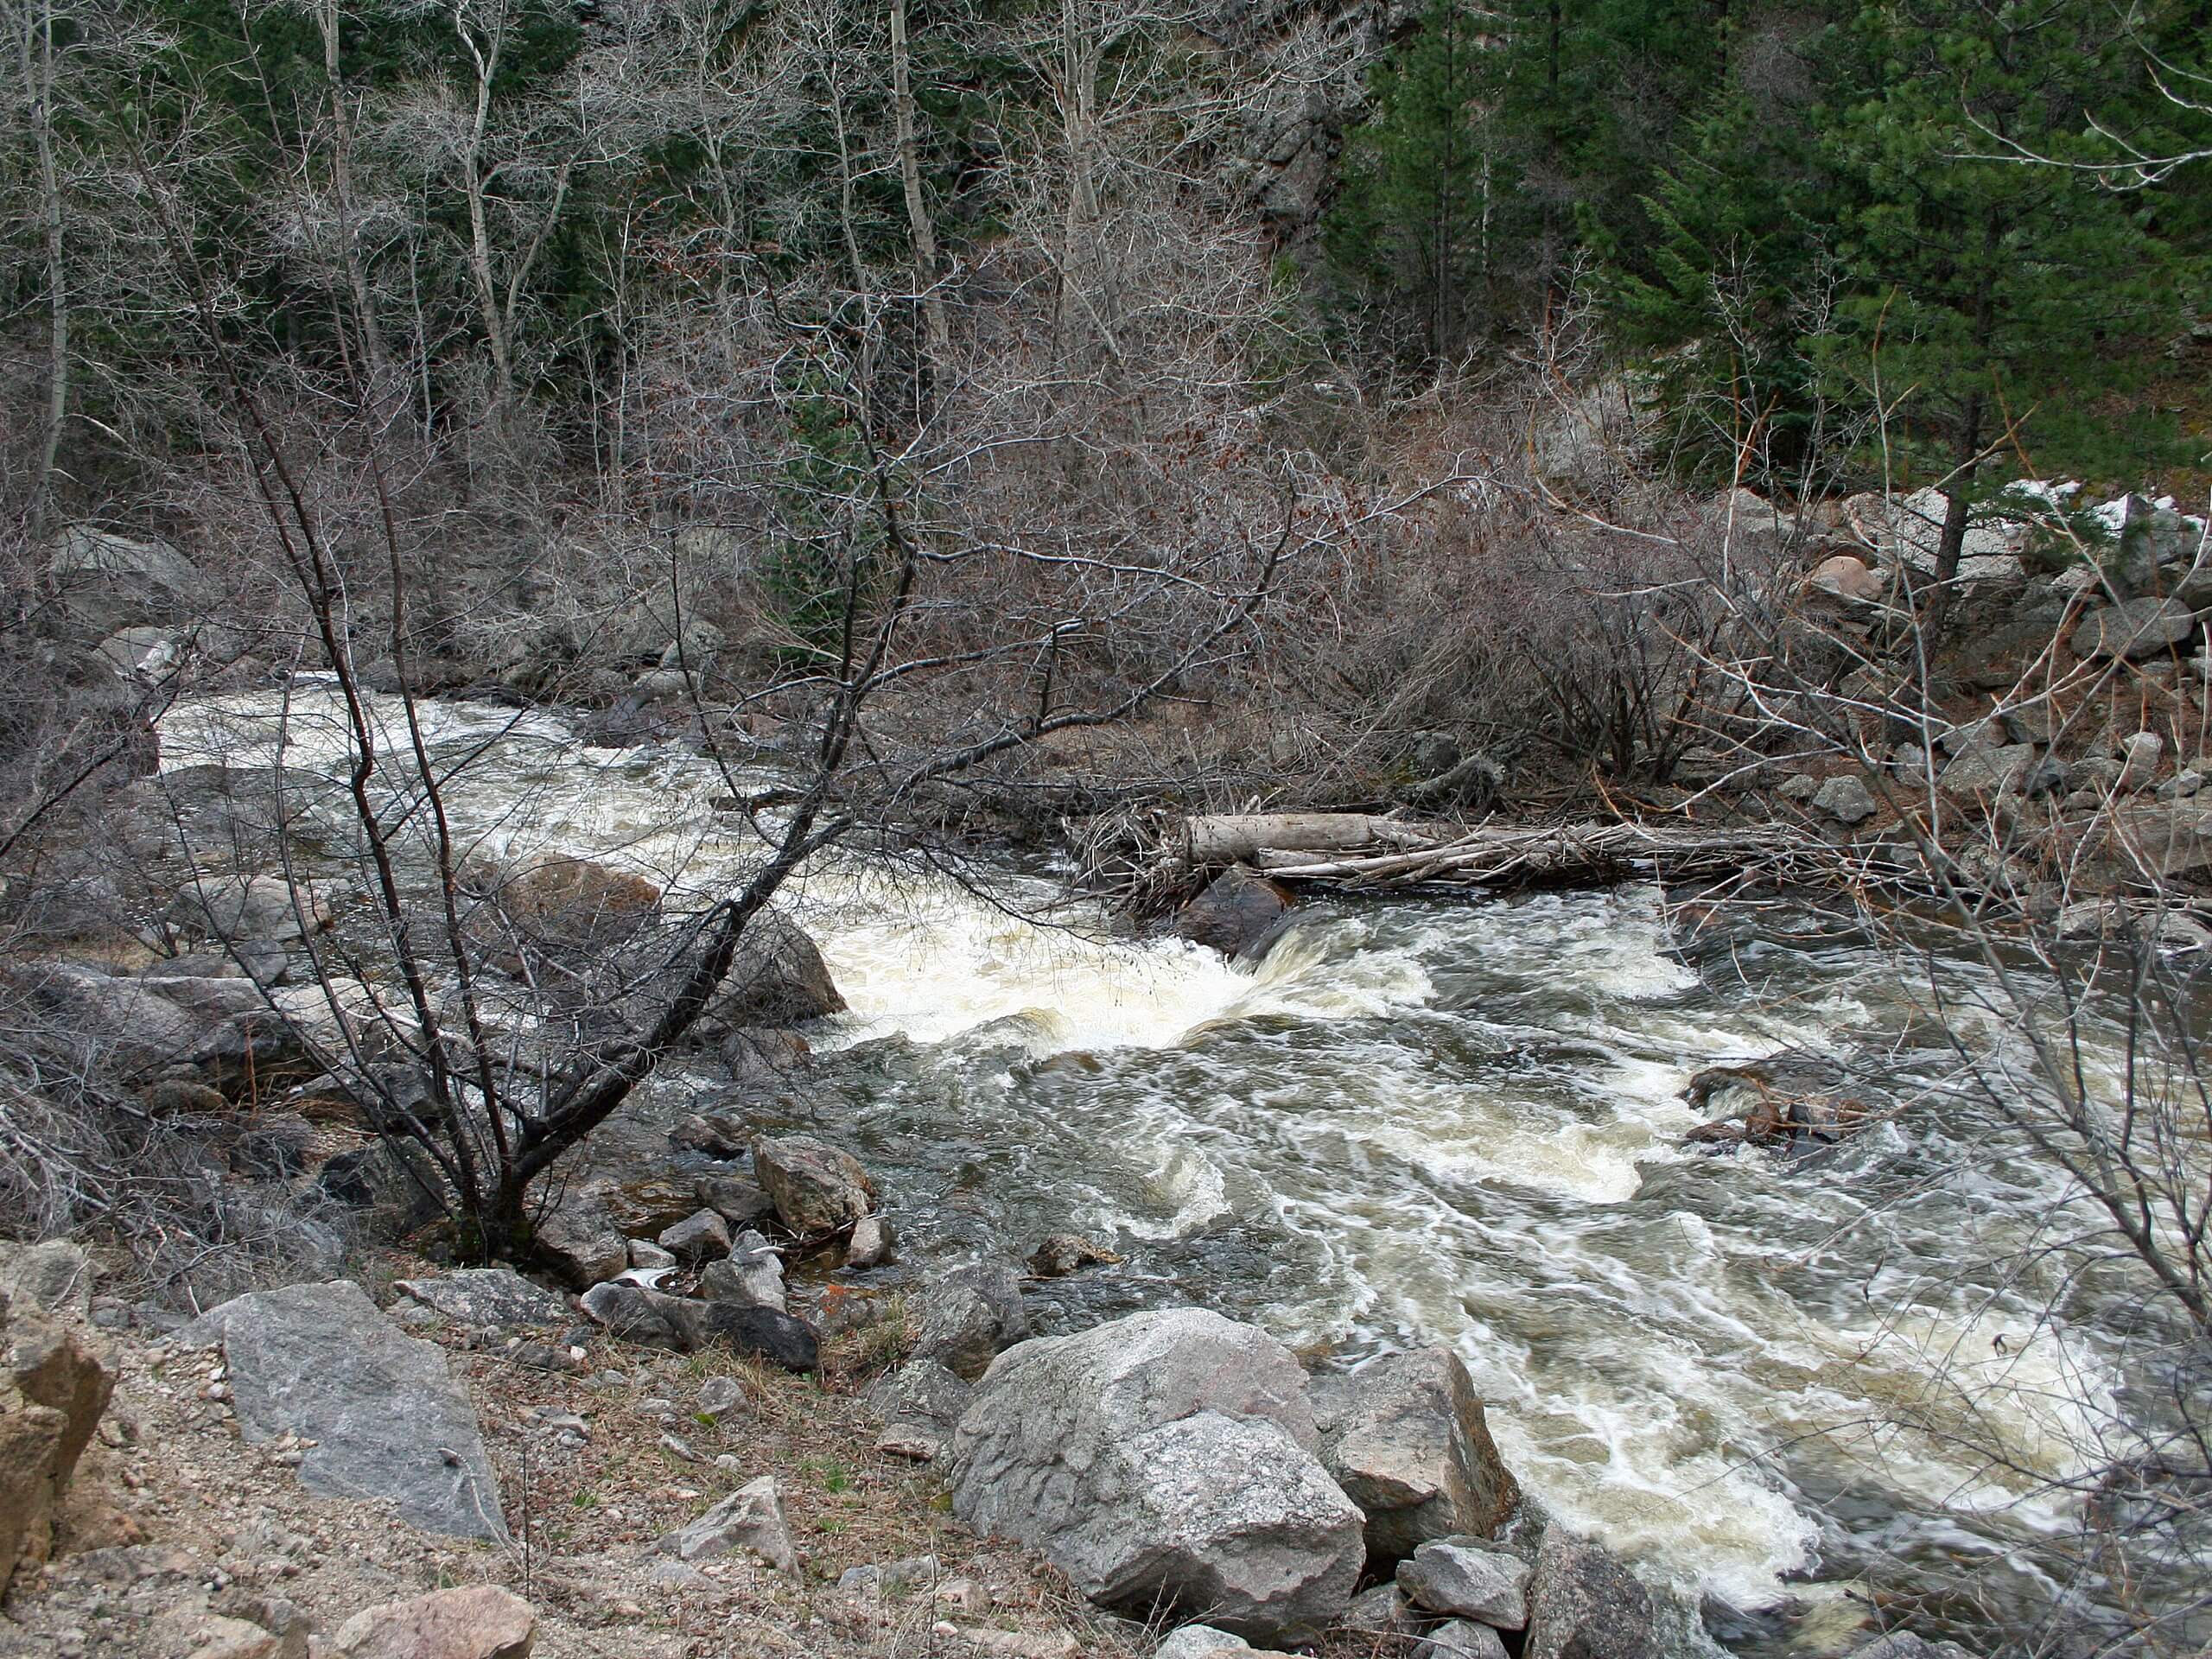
(1428, 1121)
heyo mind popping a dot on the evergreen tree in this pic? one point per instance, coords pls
(1990, 302)
(1411, 222)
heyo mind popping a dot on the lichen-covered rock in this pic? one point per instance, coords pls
(1407, 1439)
(385, 1417)
(1164, 1460)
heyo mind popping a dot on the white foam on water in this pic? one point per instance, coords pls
(1448, 1115)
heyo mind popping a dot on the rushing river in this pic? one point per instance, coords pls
(1431, 1122)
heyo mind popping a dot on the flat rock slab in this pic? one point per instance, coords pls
(388, 1419)
(487, 1296)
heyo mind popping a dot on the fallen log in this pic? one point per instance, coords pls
(1236, 838)
(1354, 850)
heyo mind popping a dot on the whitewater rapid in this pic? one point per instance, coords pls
(1413, 1121)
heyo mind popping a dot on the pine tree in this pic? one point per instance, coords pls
(1988, 303)
(1411, 218)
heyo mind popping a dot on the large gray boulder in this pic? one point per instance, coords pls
(1584, 1604)
(382, 1415)
(1985, 772)
(577, 1239)
(1406, 1437)
(1162, 1461)
(1903, 1644)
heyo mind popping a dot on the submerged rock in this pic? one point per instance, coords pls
(1164, 1460)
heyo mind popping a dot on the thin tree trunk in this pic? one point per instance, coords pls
(342, 182)
(36, 44)
(920, 229)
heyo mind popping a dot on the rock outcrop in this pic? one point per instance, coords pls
(55, 1383)
(1164, 1461)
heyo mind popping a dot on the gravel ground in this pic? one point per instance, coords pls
(173, 1517)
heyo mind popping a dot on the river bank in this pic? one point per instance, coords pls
(1415, 1119)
